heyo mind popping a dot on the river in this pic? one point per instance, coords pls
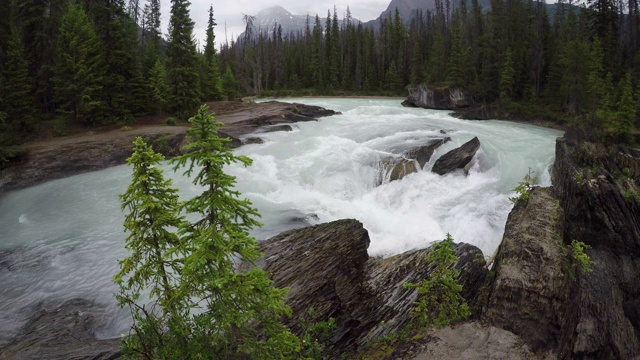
(61, 239)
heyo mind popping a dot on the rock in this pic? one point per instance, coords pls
(61, 332)
(423, 154)
(438, 97)
(275, 128)
(531, 294)
(407, 103)
(597, 186)
(327, 268)
(252, 140)
(456, 158)
(396, 168)
(469, 340)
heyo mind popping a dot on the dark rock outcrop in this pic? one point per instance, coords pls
(540, 293)
(456, 158)
(423, 154)
(532, 293)
(598, 188)
(61, 332)
(328, 269)
(438, 97)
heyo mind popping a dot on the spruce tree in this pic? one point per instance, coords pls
(229, 85)
(507, 79)
(158, 86)
(78, 70)
(154, 263)
(241, 310)
(211, 81)
(18, 101)
(182, 62)
(625, 117)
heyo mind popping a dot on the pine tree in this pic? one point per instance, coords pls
(118, 34)
(241, 310)
(154, 263)
(78, 69)
(622, 124)
(455, 65)
(507, 78)
(229, 86)
(182, 62)
(158, 86)
(18, 102)
(211, 81)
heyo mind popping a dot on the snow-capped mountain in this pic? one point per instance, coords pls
(266, 20)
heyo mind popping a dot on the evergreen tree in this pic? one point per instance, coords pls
(78, 70)
(241, 310)
(182, 62)
(507, 78)
(455, 65)
(154, 263)
(18, 103)
(211, 81)
(158, 86)
(229, 86)
(625, 117)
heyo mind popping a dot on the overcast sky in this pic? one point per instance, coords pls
(230, 12)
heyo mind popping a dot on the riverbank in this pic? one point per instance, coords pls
(99, 148)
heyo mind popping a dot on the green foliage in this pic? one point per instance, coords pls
(15, 90)
(314, 335)
(158, 86)
(523, 189)
(229, 84)
(580, 259)
(182, 63)
(631, 196)
(507, 78)
(171, 121)
(155, 261)
(201, 305)
(78, 71)
(439, 297)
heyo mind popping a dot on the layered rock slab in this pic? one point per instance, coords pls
(457, 158)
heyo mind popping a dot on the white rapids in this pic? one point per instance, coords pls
(62, 239)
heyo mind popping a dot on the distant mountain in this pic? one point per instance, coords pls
(408, 9)
(266, 20)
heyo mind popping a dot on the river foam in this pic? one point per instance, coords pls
(62, 239)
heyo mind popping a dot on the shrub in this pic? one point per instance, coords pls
(439, 296)
(523, 189)
(171, 121)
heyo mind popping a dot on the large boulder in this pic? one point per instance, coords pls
(438, 97)
(395, 168)
(531, 294)
(423, 154)
(598, 187)
(327, 269)
(456, 158)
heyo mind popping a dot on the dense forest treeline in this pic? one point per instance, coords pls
(92, 62)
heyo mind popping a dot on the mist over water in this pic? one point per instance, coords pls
(61, 240)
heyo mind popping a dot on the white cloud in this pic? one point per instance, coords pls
(230, 12)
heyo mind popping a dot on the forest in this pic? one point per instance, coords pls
(68, 63)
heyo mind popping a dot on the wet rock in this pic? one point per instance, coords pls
(327, 268)
(252, 140)
(275, 128)
(61, 332)
(423, 154)
(396, 168)
(456, 158)
(438, 97)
